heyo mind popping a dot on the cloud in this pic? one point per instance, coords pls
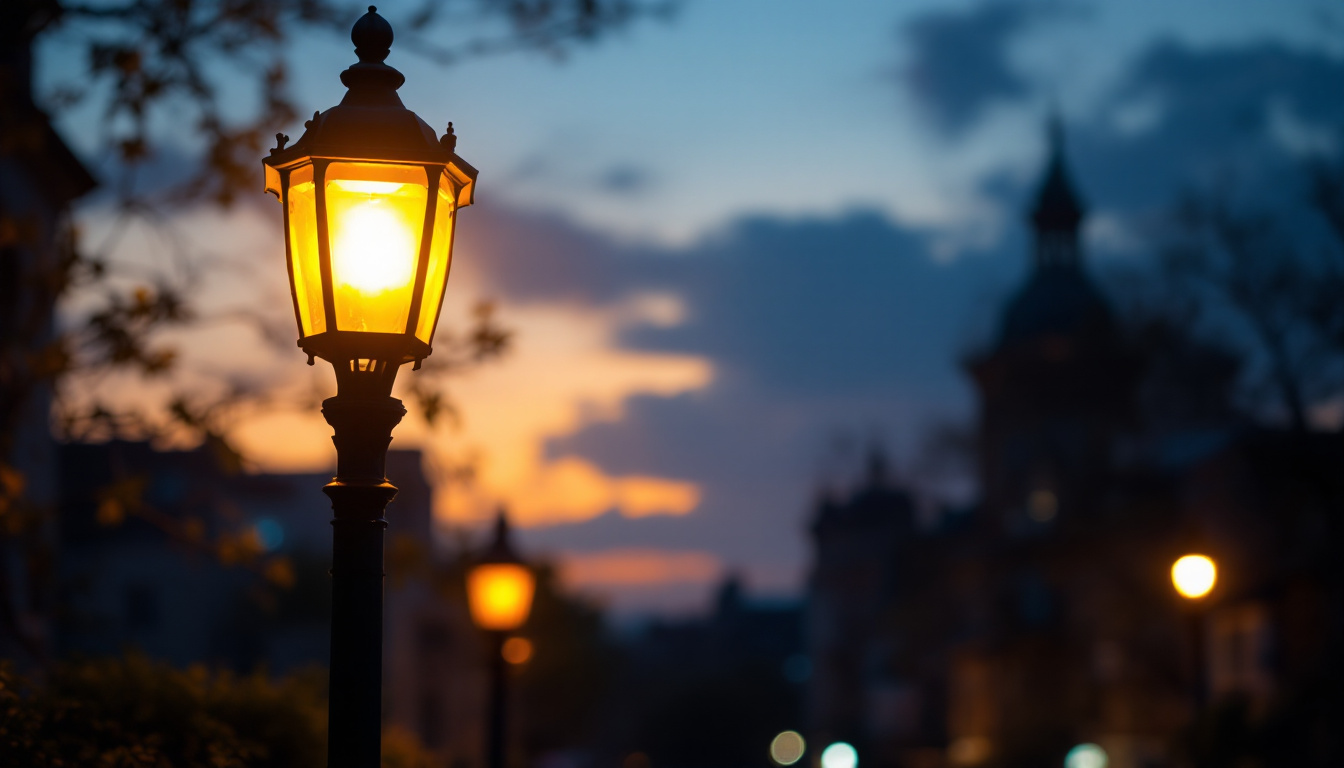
(673, 581)
(638, 567)
(565, 370)
(1231, 114)
(625, 180)
(803, 327)
(572, 489)
(959, 60)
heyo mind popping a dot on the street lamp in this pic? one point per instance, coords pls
(1194, 577)
(499, 593)
(369, 193)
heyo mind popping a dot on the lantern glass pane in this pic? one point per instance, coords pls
(273, 180)
(440, 257)
(303, 251)
(376, 216)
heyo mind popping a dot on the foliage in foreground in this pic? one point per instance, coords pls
(136, 712)
(133, 712)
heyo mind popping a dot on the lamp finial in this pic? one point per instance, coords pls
(372, 36)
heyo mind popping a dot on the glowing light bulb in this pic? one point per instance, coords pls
(1194, 576)
(374, 248)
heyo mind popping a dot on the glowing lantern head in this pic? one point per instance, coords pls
(500, 587)
(370, 194)
(1194, 576)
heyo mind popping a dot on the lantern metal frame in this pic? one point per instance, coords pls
(369, 126)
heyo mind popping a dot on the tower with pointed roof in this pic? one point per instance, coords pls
(1056, 385)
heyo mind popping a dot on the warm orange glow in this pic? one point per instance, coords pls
(571, 488)
(1194, 576)
(517, 650)
(376, 216)
(639, 567)
(303, 250)
(500, 595)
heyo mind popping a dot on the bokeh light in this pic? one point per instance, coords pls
(517, 650)
(1086, 756)
(839, 755)
(1042, 505)
(787, 748)
(969, 750)
(271, 533)
(1194, 576)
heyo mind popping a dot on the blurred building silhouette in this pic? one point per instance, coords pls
(39, 179)
(706, 691)
(1042, 616)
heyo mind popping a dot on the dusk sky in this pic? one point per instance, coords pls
(740, 245)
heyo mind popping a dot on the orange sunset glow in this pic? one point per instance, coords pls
(639, 567)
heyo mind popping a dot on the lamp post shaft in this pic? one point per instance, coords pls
(1199, 680)
(494, 746)
(359, 495)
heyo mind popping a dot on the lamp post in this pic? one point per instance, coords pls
(370, 194)
(499, 592)
(1194, 577)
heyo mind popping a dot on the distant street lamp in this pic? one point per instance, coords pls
(500, 588)
(369, 193)
(1194, 577)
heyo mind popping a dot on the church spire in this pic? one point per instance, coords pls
(1058, 210)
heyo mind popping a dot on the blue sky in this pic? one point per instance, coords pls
(735, 243)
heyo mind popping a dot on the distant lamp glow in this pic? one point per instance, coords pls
(1086, 756)
(271, 533)
(787, 748)
(500, 595)
(839, 755)
(1194, 576)
(517, 650)
(969, 750)
(500, 587)
(1042, 505)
